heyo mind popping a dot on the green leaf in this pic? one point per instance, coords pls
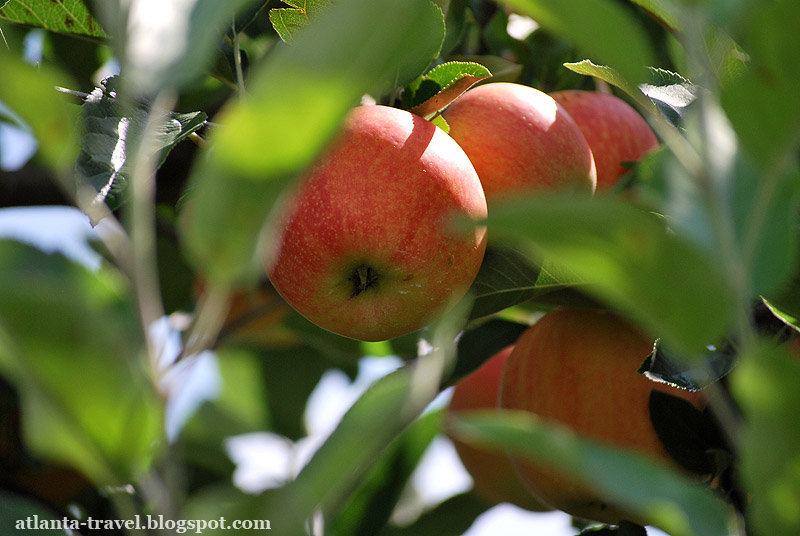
(478, 344)
(628, 258)
(453, 517)
(602, 29)
(435, 90)
(31, 93)
(110, 131)
(662, 10)
(62, 16)
(765, 386)
(287, 21)
(371, 506)
(509, 277)
(70, 341)
(671, 93)
(296, 100)
(636, 483)
(506, 278)
(767, 126)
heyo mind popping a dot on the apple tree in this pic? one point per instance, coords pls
(178, 130)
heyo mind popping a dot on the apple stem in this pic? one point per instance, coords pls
(363, 278)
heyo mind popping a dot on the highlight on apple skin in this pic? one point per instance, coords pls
(493, 475)
(520, 139)
(366, 247)
(613, 129)
(578, 367)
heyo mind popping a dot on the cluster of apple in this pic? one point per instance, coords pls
(366, 250)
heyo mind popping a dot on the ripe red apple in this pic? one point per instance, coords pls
(493, 476)
(366, 248)
(519, 139)
(614, 130)
(579, 368)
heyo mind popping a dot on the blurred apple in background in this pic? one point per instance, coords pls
(614, 130)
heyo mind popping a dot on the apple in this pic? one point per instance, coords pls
(520, 139)
(578, 367)
(366, 247)
(614, 130)
(494, 478)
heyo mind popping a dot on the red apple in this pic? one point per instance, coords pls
(493, 476)
(614, 130)
(519, 139)
(366, 248)
(579, 368)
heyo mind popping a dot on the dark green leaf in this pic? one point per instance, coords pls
(63, 16)
(628, 258)
(639, 485)
(18, 514)
(508, 277)
(765, 386)
(688, 434)
(436, 89)
(455, 23)
(664, 366)
(602, 29)
(450, 518)
(72, 345)
(111, 131)
(478, 344)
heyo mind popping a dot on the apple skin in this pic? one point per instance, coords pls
(614, 130)
(493, 475)
(578, 367)
(366, 247)
(520, 139)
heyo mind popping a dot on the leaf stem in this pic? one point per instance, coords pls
(237, 59)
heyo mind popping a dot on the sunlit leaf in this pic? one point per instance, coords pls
(443, 84)
(288, 20)
(63, 16)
